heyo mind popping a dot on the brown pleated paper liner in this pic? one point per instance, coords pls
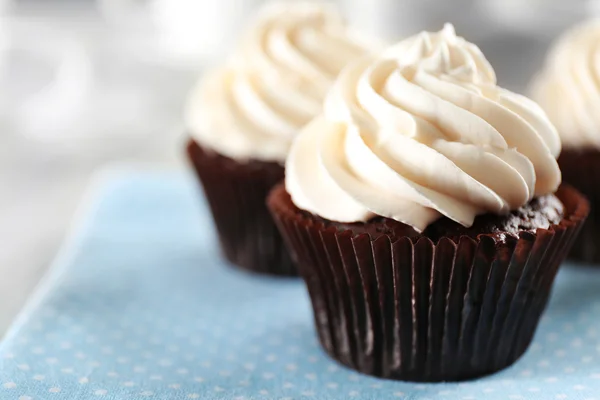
(581, 169)
(412, 309)
(236, 194)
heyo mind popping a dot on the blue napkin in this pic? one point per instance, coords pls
(140, 306)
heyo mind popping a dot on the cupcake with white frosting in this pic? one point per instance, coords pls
(243, 116)
(425, 210)
(568, 88)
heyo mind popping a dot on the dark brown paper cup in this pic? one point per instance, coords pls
(236, 194)
(411, 309)
(581, 169)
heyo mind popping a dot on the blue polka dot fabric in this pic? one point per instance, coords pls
(140, 306)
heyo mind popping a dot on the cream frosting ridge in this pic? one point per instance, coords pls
(568, 87)
(419, 132)
(252, 107)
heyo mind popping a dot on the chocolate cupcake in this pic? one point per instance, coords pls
(568, 89)
(424, 211)
(243, 116)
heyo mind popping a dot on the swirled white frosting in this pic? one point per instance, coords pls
(568, 87)
(252, 107)
(419, 132)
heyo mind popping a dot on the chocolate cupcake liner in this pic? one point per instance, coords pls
(412, 309)
(581, 169)
(236, 194)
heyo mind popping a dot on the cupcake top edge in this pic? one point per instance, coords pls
(568, 86)
(422, 131)
(251, 107)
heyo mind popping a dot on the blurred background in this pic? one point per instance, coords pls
(85, 83)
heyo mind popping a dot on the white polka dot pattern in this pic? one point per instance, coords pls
(142, 308)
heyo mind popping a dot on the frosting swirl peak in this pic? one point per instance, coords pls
(252, 107)
(419, 132)
(568, 88)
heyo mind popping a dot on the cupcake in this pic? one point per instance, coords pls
(244, 115)
(568, 88)
(425, 211)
